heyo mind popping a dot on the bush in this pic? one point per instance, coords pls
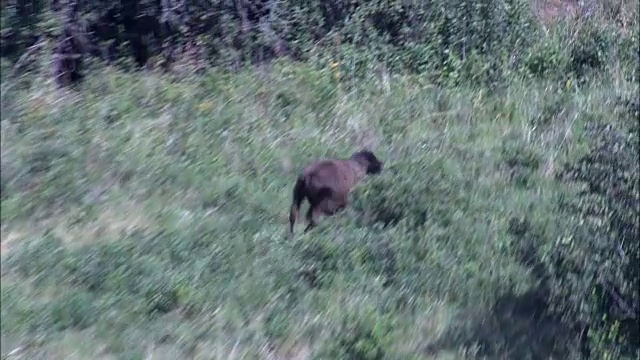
(411, 193)
(359, 338)
(589, 51)
(75, 309)
(453, 40)
(594, 274)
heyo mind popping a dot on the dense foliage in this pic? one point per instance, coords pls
(452, 40)
(595, 267)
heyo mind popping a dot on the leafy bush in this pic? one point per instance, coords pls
(387, 201)
(589, 50)
(75, 309)
(359, 338)
(458, 41)
(593, 268)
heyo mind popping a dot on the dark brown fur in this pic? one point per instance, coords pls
(326, 185)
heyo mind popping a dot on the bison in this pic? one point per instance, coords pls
(326, 185)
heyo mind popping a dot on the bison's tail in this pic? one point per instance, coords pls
(298, 197)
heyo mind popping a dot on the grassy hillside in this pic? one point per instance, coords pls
(145, 216)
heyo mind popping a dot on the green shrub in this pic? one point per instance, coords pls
(456, 41)
(411, 193)
(360, 337)
(593, 268)
(545, 59)
(320, 261)
(589, 51)
(75, 309)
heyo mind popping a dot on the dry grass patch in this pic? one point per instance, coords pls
(112, 222)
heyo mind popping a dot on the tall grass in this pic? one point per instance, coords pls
(144, 216)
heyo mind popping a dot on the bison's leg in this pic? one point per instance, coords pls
(331, 207)
(312, 214)
(334, 205)
(298, 196)
(293, 215)
(316, 209)
(324, 202)
(342, 201)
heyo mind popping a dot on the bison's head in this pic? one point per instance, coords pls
(369, 161)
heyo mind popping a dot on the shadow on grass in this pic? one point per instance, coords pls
(517, 327)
